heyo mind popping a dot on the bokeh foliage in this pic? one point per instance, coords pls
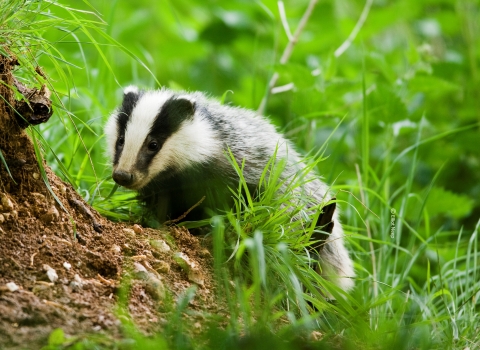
(418, 59)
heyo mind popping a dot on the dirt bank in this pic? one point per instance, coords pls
(62, 265)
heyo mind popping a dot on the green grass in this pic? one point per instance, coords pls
(395, 118)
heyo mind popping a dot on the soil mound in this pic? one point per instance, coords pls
(62, 265)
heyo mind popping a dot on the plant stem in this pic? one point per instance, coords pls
(288, 52)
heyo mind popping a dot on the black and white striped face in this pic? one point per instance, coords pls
(155, 132)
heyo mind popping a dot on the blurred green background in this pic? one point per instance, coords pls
(417, 60)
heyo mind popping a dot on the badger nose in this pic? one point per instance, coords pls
(123, 178)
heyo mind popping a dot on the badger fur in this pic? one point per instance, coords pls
(171, 147)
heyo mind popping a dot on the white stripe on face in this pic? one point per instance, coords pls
(139, 126)
(111, 135)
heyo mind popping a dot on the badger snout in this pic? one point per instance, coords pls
(123, 178)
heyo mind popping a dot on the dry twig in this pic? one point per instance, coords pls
(181, 217)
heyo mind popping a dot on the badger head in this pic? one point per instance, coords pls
(153, 133)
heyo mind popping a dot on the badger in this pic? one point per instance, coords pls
(174, 147)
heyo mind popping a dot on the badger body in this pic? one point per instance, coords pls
(173, 149)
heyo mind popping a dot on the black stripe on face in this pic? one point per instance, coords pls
(123, 116)
(174, 112)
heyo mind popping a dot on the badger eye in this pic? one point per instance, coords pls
(121, 141)
(153, 146)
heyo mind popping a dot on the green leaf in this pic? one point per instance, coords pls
(297, 74)
(386, 105)
(57, 337)
(432, 85)
(455, 205)
(443, 202)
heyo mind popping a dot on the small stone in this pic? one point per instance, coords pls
(39, 288)
(77, 284)
(196, 276)
(12, 287)
(63, 189)
(51, 215)
(160, 246)
(190, 267)
(140, 270)
(154, 287)
(54, 211)
(39, 197)
(76, 287)
(129, 232)
(14, 214)
(2, 219)
(162, 267)
(51, 273)
(6, 202)
(7, 216)
(126, 248)
(137, 229)
(78, 279)
(184, 261)
(116, 249)
(67, 265)
(148, 254)
(36, 176)
(205, 253)
(316, 336)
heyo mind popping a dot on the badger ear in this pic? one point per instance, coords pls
(180, 107)
(186, 104)
(131, 89)
(130, 97)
